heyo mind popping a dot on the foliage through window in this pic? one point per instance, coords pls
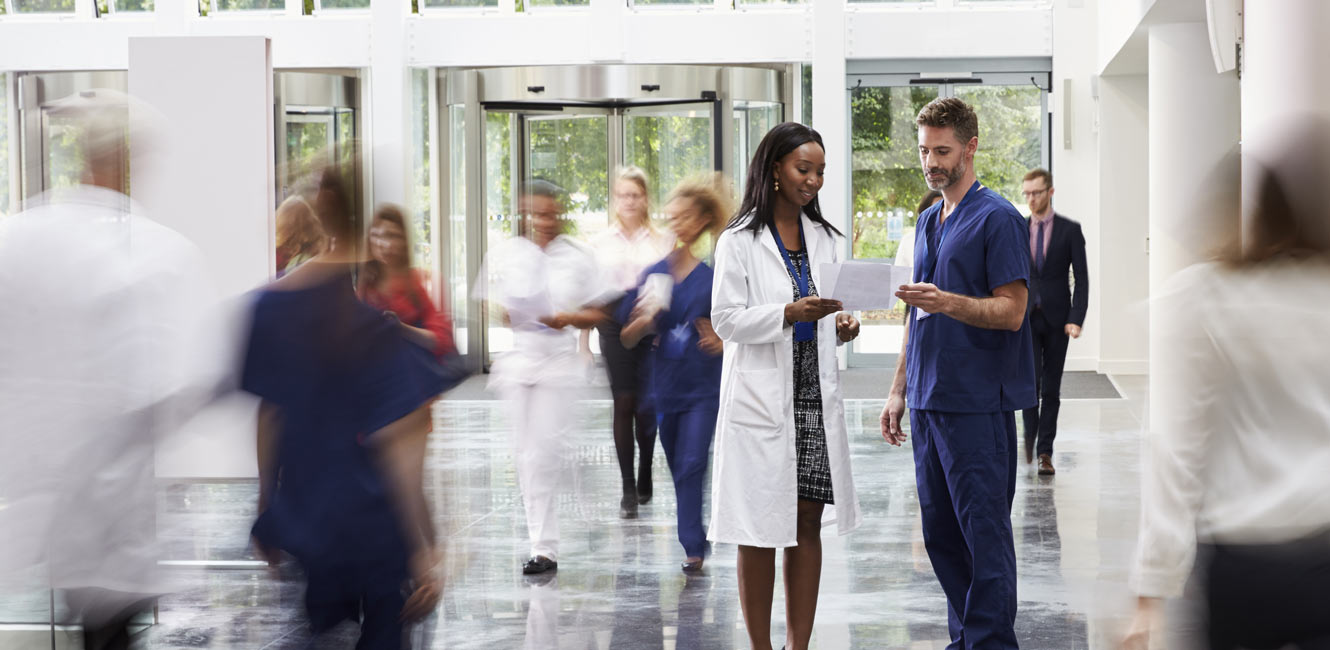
(43, 6)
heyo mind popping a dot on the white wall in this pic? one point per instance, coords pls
(208, 174)
(1076, 168)
(1124, 208)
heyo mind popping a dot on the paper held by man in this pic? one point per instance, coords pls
(863, 285)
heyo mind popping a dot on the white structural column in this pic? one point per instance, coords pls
(1193, 125)
(389, 89)
(830, 112)
(1283, 79)
(831, 115)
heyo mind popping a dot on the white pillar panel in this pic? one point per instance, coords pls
(831, 114)
(1194, 125)
(209, 176)
(1076, 169)
(1283, 82)
(1124, 224)
(389, 91)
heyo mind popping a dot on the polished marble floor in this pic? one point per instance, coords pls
(618, 584)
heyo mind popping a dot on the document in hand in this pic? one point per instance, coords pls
(863, 285)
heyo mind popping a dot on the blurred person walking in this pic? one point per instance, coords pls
(1235, 491)
(630, 245)
(685, 350)
(1057, 250)
(965, 366)
(299, 235)
(905, 250)
(546, 286)
(388, 283)
(345, 397)
(99, 352)
(782, 453)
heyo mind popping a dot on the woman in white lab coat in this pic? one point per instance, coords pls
(782, 453)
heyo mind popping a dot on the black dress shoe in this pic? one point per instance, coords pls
(539, 564)
(643, 498)
(628, 507)
(691, 566)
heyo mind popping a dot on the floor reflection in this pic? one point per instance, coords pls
(619, 585)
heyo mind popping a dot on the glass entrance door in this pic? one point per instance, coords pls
(52, 143)
(887, 185)
(574, 126)
(579, 148)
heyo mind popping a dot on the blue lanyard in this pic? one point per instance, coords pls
(802, 331)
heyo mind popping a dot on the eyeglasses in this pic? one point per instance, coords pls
(1030, 195)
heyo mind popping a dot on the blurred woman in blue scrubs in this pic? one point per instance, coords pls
(672, 305)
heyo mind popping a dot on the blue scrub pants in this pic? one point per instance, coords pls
(686, 437)
(965, 465)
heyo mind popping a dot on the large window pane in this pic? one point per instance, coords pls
(461, 3)
(344, 4)
(886, 186)
(669, 145)
(573, 152)
(134, 5)
(43, 6)
(895, 2)
(1010, 135)
(245, 5)
(558, 3)
(667, 3)
(752, 120)
(64, 152)
(422, 223)
(455, 209)
(500, 195)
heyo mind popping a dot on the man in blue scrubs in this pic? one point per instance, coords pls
(965, 367)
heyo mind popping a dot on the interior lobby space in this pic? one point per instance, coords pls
(412, 143)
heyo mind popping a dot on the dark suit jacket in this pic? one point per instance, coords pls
(1065, 257)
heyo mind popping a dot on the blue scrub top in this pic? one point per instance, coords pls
(682, 376)
(339, 371)
(951, 366)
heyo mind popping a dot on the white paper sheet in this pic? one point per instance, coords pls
(863, 285)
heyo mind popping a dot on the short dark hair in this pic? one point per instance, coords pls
(1040, 172)
(547, 189)
(927, 201)
(950, 112)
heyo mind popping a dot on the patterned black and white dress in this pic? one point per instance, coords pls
(810, 437)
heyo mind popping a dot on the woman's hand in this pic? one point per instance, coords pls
(847, 326)
(810, 309)
(429, 587)
(707, 339)
(1146, 618)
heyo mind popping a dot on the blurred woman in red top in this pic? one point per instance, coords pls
(389, 283)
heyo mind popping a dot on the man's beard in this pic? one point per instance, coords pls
(953, 176)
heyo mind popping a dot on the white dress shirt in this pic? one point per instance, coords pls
(623, 257)
(1239, 451)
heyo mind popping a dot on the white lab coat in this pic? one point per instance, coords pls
(754, 491)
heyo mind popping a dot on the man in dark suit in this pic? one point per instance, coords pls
(1057, 247)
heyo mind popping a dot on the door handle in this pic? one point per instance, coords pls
(535, 89)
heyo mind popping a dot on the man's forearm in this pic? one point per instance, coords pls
(995, 313)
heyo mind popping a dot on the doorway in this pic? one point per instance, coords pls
(574, 126)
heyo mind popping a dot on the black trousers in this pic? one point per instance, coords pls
(1050, 355)
(1268, 596)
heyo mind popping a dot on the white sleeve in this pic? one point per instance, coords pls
(734, 320)
(1176, 446)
